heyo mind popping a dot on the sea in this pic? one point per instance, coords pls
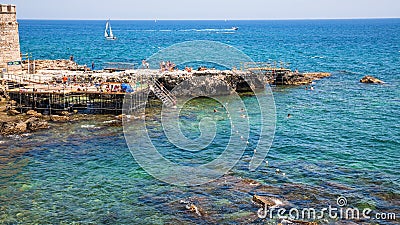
(341, 141)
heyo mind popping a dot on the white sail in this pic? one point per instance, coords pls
(111, 33)
(108, 34)
(105, 31)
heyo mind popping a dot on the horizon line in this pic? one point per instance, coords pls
(243, 19)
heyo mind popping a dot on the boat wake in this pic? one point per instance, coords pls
(207, 30)
(230, 30)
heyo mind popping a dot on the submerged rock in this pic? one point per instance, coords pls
(371, 80)
(266, 201)
(298, 222)
(193, 208)
(113, 123)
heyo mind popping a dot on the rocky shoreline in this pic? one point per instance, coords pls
(13, 122)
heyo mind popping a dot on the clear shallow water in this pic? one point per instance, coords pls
(343, 138)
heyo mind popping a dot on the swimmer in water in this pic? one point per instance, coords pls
(289, 115)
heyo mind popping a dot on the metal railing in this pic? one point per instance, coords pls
(163, 94)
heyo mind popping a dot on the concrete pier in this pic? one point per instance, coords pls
(104, 92)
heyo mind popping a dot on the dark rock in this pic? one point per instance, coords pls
(371, 80)
(110, 218)
(202, 86)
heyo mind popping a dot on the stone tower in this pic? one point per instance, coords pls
(9, 38)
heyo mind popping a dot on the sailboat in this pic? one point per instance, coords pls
(108, 34)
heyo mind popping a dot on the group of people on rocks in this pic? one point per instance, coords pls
(67, 79)
(91, 83)
(168, 66)
(145, 64)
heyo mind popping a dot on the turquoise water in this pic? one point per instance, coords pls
(342, 138)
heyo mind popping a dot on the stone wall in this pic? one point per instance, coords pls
(9, 37)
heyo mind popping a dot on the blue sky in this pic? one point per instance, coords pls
(205, 9)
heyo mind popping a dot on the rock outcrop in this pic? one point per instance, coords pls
(13, 112)
(371, 80)
(266, 201)
(291, 78)
(56, 118)
(33, 113)
(34, 124)
(211, 82)
(222, 82)
(8, 128)
(19, 127)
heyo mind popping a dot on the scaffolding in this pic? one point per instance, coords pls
(85, 102)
